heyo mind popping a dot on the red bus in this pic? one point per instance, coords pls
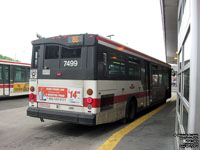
(14, 78)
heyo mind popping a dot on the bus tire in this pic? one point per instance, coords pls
(130, 111)
(166, 97)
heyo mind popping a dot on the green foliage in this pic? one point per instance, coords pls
(7, 58)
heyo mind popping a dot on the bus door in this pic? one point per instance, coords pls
(5, 80)
(148, 93)
(158, 90)
(145, 83)
(1, 81)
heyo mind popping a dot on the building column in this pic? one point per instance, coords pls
(194, 110)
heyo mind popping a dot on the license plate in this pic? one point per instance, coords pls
(44, 105)
(46, 72)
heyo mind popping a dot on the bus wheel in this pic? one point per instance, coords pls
(130, 111)
(165, 99)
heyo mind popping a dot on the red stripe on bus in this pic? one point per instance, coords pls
(11, 62)
(97, 102)
(117, 99)
(130, 50)
(6, 86)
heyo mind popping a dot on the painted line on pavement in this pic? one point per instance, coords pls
(116, 137)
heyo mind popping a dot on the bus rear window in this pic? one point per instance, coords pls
(71, 53)
(52, 52)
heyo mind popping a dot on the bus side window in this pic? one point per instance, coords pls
(102, 63)
(143, 77)
(155, 79)
(116, 65)
(134, 68)
(20, 74)
(160, 79)
(1, 72)
(165, 79)
(155, 75)
(27, 74)
(6, 73)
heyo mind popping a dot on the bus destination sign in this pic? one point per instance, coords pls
(76, 39)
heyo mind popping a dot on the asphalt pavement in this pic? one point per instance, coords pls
(20, 132)
(13, 102)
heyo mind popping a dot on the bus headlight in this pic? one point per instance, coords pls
(89, 100)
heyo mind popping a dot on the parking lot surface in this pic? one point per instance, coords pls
(18, 131)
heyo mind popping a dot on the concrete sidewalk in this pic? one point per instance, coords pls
(156, 133)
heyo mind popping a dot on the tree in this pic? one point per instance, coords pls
(8, 58)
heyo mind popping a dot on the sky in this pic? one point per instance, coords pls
(135, 23)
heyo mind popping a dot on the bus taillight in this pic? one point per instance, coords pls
(89, 100)
(31, 96)
(58, 74)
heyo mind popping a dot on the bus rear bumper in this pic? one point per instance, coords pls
(60, 115)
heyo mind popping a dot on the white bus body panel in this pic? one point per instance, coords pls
(99, 87)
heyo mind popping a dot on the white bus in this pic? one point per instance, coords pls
(14, 78)
(88, 79)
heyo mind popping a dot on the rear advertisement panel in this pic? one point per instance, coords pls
(60, 95)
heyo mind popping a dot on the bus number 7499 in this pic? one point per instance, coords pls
(71, 63)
